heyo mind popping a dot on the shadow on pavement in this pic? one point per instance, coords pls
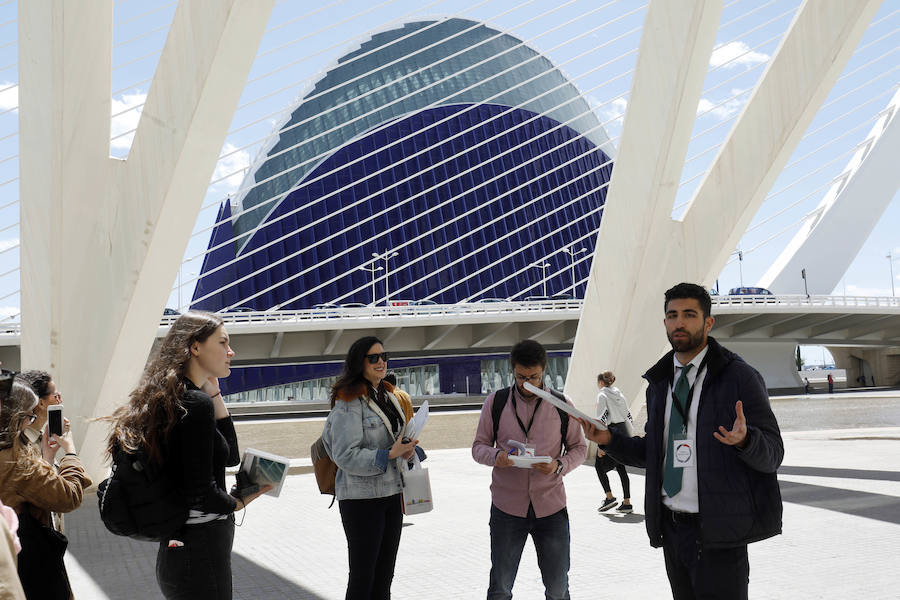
(125, 568)
(623, 518)
(861, 504)
(841, 473)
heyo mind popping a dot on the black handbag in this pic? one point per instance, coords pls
(42, 569)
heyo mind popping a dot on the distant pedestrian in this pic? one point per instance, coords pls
(402, 396)
(806, 385)
(830, 384)
(612, 409)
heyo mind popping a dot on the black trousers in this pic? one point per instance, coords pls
(604, 464)
(372, 527)
(701, 573)
(202, 567)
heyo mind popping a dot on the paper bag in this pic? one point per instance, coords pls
(416, 489)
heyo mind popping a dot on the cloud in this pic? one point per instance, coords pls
(611, 114)
(127, 121)
(736, 54)
(722, 110)
(234, 162)
(7, 244)
(9, 98)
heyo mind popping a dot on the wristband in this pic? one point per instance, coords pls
(70, 454)
(559, 466)
(219, 393)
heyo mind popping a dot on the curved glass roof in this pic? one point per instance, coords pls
(402, 71)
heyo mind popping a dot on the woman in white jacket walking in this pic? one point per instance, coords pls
(612, 409)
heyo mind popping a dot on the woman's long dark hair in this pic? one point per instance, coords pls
(154, 406)
(354, 365)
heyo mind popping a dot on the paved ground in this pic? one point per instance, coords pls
(842, 521)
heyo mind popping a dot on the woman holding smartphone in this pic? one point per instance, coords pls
(177, 416)
(363, 437)
(34, 488)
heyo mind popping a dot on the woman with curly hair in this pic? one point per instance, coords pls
(34, 488)
(176, 416)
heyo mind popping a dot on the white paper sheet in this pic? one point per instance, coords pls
(550, 396)
(417, 423)
(525, 462)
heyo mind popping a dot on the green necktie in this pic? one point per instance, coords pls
(671, 475)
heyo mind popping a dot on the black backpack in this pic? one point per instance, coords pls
(140, 500)
(500, 398)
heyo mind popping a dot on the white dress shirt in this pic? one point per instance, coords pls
(686, 500)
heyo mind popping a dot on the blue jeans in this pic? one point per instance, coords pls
(551, 541)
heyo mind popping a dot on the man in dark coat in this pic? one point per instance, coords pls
(711, 449)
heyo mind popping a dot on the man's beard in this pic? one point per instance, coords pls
(692, 342)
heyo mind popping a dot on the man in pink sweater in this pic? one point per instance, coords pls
(528, 500)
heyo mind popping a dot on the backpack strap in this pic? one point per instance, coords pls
(501, 396)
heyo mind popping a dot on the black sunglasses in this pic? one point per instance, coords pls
(373, 358)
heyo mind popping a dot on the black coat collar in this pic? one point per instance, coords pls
(717, 358)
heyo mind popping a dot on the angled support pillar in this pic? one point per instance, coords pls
(848, 212)
(673, 59)
(103, 238)
(625, 334)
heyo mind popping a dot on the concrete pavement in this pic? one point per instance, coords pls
(841, 525)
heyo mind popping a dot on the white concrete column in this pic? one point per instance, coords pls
(848, 212)
(623, 316)
(104, 238)
(672, 63)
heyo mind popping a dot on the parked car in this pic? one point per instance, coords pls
(423, 302)
(749, 291)
(170, 312)
(484, 300)
(537, 298)
(326, 309)
(353, 305)
(562, 297)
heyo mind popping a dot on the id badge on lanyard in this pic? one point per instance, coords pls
(683, 449)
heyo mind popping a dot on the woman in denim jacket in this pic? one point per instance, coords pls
(363, 437)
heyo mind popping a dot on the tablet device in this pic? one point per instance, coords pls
(261, 468)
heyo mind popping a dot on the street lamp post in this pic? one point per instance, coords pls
(805, 288)
(373, 269)
(386, 256)
(740, 255)
(570, 250)
(543, 267)
(890, 257)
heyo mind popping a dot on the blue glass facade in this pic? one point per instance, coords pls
(452, 144)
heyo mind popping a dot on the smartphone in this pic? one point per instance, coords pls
(55, 419)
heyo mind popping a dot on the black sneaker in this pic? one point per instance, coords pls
(625, 508)
(607, 504)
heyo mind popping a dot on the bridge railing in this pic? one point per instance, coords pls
(369, 312)
(801, 300)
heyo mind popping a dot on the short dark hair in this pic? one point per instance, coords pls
(391, 378)
(690, 290)
(38, 380)
(528, 353)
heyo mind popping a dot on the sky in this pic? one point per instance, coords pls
(593, 43)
